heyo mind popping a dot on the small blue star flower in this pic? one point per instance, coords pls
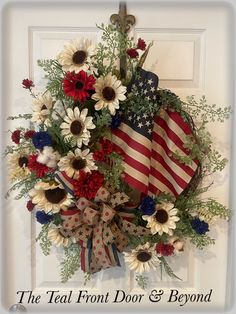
(41, 139)
(199, 226)
(43, 218)
(148, 205)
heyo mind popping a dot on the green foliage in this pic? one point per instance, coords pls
(139, 104)
(60, 144)
(102, 120)
(113, 46)
(185, 230)
(25, 116)
(113, 171)
(54, 76)
(71, 262)
(204, 112)
(87, 278)
(142, 281)
(167, 268)
(134, 240)
(24, 185)
(44, 243)
(57, 220)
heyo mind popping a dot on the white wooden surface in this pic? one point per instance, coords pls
(191, 55)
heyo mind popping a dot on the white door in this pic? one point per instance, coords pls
(191, 55)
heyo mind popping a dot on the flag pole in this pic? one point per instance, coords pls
(123, 23)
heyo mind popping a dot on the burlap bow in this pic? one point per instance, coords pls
(98, 232)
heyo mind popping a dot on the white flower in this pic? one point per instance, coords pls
(76, 161)
(56, 236)
(49, 157)
(50, 196)
(163, 220)
(142, 258)
(18, 165)
(76, 55)
(178, 244)
(75, 126)
(42, 105)
(108, 92)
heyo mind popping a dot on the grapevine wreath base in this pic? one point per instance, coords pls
(113, 165)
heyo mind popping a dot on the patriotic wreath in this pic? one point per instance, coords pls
(114, 165)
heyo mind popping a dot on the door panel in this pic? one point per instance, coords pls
(191, 55)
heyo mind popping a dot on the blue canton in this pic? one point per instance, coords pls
(144, 84)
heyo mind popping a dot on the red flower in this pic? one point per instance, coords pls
(99, 155)
(88, 184)
(27, 84)
(30, 206)
(107, 146)
(78, 85)
(164, 249)
(36, 167)
(133, 53)
(141, 44)
(16, 136)
(29, 134)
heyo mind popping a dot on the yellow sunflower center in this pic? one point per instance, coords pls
(161, 216)
(76, 127)
(78, 164)
(108, 93)
(144, 256)
(79, 57)
(55, 196)
(23, 161)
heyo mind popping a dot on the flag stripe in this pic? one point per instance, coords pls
(158, 139)
(171, 134)
(129, 151)
(157, 157)
(131, 142)
(153, 190)
(136, 174)
(158, 167)
(135, 183)
(161, 179)
(178, 170)
(177, 129)
(138, 137)
(180, 122)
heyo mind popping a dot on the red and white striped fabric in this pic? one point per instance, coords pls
(149, 163)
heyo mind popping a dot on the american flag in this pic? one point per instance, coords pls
(149, 143)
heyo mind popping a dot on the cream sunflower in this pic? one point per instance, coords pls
(50, 196)
(108, 92)
(76, 161)
(57, 237)
(142, 258)
(76, 55)
(75, 126)
(163, 220)
(18, 166)
(42, 106)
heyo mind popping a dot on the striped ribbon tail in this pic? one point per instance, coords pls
(66, 181)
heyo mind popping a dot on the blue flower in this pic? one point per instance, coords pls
(41, 139)
(148, 205)
(116, 121)
(43, 218)
(199, 226)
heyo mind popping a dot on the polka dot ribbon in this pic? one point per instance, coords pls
(100, 235)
